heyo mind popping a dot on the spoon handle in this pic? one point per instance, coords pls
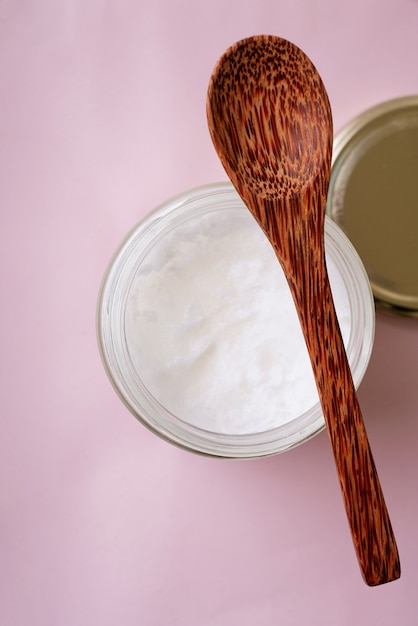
(367, 514)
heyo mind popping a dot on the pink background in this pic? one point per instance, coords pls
(102, 523)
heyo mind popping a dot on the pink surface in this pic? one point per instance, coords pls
(102, 118)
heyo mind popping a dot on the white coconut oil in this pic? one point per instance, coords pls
(212, 330)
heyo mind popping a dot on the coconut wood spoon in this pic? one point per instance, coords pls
(271, 124)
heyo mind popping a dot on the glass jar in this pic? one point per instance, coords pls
(194, 260)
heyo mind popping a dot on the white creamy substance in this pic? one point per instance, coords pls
(212, 329)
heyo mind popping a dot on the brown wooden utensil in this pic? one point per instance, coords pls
(270, 121)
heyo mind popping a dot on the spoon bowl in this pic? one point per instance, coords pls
(270, 120)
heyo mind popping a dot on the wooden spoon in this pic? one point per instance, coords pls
(271, 124)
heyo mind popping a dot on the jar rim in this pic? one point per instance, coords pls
(142, 404)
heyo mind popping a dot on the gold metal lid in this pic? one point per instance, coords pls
(373, 197)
